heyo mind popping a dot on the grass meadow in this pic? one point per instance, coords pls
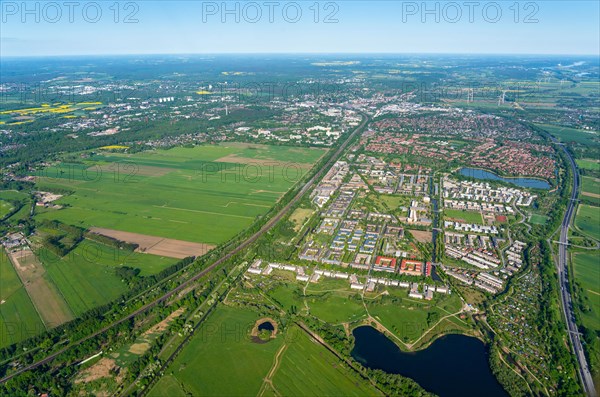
(221, 359)
(86, 276)
(18, 317)
(180, 193)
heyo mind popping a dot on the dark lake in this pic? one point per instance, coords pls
(266, 326)
(523, 182)
(452, 366)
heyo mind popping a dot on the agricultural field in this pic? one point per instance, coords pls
(190, 194)
(566, 134)
(221, 359)
(590, 189)
(18, 317)
(463, 216)
(588, 220)
(44, 294)
(588, 164)
(86, 276)
(587, 273)
(28, 115)
(308, 369)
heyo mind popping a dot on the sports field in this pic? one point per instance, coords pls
(588, 220)
(18, 317)
(587, 273)
(221, 359)
(463, 216)
(181, 193)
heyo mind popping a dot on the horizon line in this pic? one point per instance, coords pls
(353, 53)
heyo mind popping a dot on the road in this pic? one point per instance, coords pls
(567, 303)
(265, 228)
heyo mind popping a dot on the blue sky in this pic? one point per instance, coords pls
(160, 27)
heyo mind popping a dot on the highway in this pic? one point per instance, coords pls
(567, 303)
(265, 228)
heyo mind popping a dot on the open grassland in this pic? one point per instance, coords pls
(332, 301)
(286, 295)
(181, 193)
(168, 385)
(45, 296)
(300, 216)
(307, 369)
(86, 276)
(6, 196)
(221, 359)
(588, 220)
(18, 318)
(336, 307)
(410, 319)
(463, 216)
(587, 273)
(5, 208)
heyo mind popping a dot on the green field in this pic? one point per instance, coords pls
(537, 219)
(168, 385)
(8, 196)
(588, 164)
(181, 193)
(591, 186)
(18, 318)
(12, 195)
(286, 295)
(466, 216)
(587, 273)
(566, 134)
(407, 318)
(86, 277)
(221, 359)
(308, 369)
(588, 220)
(5, 208)
(334, 302)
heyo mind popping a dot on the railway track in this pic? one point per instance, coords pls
(250, 240)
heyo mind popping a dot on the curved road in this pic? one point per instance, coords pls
(567, 303)
(266, 227)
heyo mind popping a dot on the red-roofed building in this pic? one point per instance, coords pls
(385, 263)
(414, 268)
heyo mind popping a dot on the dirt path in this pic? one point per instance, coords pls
(269, 378)
(432, 327)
